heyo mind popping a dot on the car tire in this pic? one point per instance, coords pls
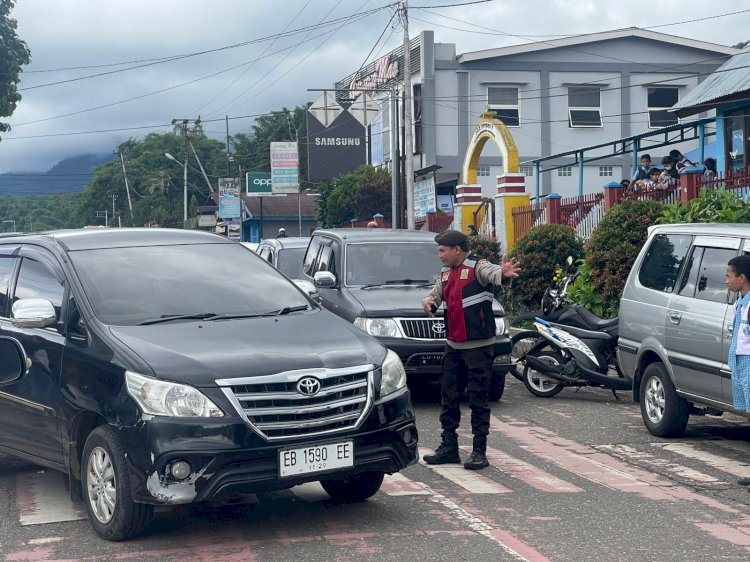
(497, 386)
(105, 486)
(537, 384)
(355, 488)
(664, 413)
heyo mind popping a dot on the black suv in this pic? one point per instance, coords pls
(169, 367)
(376, 279)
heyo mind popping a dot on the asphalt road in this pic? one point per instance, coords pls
(575, 477)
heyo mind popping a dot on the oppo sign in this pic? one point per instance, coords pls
(259, 183)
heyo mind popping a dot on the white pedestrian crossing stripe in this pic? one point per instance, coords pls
(731, 466)
(659, 465)
(42, 497)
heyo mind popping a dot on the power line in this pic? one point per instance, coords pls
(454, 5)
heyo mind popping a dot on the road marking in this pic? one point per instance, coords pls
(731, 466)
(529, 474)
(631, 453)
(311, 492)
(43, 497)
(470, 480)
(397, 484)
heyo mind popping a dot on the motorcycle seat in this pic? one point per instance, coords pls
(582, 334)
(594, 321)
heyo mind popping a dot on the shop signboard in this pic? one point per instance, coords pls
(424, 197)
(284, 167)
(337, 149)
(258, 183)
(229, 198)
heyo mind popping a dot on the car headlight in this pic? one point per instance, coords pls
(499, 325)
(379, 327)
(393, 376)
(162, 398)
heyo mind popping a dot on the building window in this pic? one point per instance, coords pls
(606, 171)
(584, 106)
(483, 170)
(565, 172)
(659, 102)
(503, 102)
(527, 171)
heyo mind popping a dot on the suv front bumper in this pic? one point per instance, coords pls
(226, 456)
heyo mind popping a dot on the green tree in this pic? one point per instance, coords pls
(13, 55)
(358, 195)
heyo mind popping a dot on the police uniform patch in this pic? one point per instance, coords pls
(445, 276)
(464, 274)
(482, 262)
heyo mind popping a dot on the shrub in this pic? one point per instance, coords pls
(615, 244)
(540, 253)
(485, 248)
(711, 206)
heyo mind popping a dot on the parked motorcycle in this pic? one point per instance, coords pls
(569, 346)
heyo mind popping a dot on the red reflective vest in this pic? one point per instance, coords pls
(468, 304)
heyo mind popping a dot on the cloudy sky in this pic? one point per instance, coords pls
(70, 40)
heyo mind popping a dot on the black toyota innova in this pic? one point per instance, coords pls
(167, 367)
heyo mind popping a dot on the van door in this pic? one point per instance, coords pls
(30, 406)
(694, 331)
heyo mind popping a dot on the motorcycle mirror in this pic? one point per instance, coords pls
(569, 261)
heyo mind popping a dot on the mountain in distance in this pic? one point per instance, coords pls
(70, 175)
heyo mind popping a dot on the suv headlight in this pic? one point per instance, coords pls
(393, 376)
(500, 325)
(162, 398)
(379, 327)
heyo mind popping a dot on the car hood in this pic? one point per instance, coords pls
(398, 301)
(199, 352)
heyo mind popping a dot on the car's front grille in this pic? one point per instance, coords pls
(277, 407)
(423, 328)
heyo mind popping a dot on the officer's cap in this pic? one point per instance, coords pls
(451, 238)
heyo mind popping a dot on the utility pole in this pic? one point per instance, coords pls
(184, 125)
(395, 160)
(299, 186)
(113, 196)
(408, 141)
(127, 185)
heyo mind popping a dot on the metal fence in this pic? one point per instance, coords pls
(736, 181)
(666, 196)
(527, 217)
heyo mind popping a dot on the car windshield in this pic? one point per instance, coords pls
(290, 262)
(130, 286)
(392, 263)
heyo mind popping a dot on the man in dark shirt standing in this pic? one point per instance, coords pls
(466, 286)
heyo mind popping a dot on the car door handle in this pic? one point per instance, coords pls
(675, 317)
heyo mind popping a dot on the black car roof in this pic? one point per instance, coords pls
(99, 238)
(354, 235)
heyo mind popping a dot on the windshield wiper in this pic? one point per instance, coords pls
(170, 317)
(390, 282)
(288, 309)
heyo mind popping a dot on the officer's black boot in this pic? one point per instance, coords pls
(478, 458)
(447, 452)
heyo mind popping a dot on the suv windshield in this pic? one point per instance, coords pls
(129, 286)
(392, 263)
(290, 262)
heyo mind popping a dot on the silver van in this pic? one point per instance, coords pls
(676, 323)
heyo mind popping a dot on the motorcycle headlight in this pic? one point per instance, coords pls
(499, 326)
(379, 327)
(393, 376)
(163, 398)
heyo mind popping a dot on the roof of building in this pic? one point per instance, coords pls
(592, 38)
(728, 82)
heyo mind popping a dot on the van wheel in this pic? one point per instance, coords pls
(355, 488)
(497, 386)
(105, 484)
(664, 413)
(537, 383)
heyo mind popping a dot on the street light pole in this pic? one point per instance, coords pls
(184, 126)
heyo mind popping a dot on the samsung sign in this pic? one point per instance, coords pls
(337, 149)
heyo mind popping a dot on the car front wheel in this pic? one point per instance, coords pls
(664, 413)
(105, 483)
(355, 488)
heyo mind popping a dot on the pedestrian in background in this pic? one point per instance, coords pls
(738, 280)
(472, 230)
(466, 286)
(282, 233)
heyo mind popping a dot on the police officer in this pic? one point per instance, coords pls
(465, 286)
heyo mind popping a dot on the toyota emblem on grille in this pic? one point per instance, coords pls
(308, 386)
(438, 328)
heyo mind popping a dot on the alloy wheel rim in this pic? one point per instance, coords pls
(654, 400)
(101, 485)
(539, 381)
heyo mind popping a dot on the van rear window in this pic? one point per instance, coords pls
(665, 256)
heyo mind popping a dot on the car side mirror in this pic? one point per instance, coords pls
(307, 287)
(324, 280)
(13, 361)
(33, 313)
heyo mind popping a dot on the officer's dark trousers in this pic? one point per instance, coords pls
(464, 368)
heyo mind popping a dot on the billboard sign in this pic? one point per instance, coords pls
(234, 229)
(229, 198)
(258, 183)
(284, 167)
(337, 149)
(424, 197)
